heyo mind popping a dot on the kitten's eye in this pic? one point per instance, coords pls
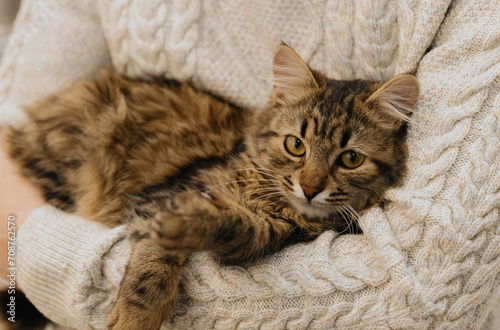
(351, 159)
(294, 146)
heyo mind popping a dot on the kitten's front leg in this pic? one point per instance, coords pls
(195, 222)
(149, 286)
(186, 222)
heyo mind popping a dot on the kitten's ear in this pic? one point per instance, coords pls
(292, 76)
(394, 101)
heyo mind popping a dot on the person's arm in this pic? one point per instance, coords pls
(18, 198)
(71, 268)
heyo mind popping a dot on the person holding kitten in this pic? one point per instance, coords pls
(71, 267)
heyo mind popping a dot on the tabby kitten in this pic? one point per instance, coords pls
(190, 172)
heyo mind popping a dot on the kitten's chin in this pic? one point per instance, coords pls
(311, 210)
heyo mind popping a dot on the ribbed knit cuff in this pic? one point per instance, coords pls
(69, 267)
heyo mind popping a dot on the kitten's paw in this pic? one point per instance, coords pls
(183, 224)
(122, 317)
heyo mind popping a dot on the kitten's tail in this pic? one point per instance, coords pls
(22, 315)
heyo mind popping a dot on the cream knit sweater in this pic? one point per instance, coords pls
(430, 259)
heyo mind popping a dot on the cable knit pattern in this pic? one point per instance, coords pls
(429, 259)
(415, 17)
(377, 40)
(339, 42)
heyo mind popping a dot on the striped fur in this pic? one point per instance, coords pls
(190, 172)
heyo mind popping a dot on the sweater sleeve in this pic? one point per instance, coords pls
(65, 263)
(70, 268)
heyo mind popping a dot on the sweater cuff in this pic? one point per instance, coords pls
(70, 268)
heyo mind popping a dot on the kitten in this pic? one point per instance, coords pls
(190, 172)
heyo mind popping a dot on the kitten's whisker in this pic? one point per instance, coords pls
(343, 218)
(356, 215)
(254, 179)
(250, 192)
(268, 170)
(255, 168)
(351, 225)
(260, 170)
(270, 195)
(359, 221)
(235, 170)
(346, 219)
(349, 211)
(354, 212)
(264, 181)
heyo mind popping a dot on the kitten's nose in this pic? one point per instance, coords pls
(311, 192)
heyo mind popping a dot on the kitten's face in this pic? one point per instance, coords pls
(329, 144)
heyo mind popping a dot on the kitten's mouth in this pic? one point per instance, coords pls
(311, 209)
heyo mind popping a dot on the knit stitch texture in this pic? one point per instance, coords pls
(429, 259)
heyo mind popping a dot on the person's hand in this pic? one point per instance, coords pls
(18, 198)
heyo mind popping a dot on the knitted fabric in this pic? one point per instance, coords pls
(429, 259)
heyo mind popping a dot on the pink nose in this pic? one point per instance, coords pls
(311, 192)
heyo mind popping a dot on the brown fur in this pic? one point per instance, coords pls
(190, 172)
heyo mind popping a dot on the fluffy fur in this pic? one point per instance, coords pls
(190, 172)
